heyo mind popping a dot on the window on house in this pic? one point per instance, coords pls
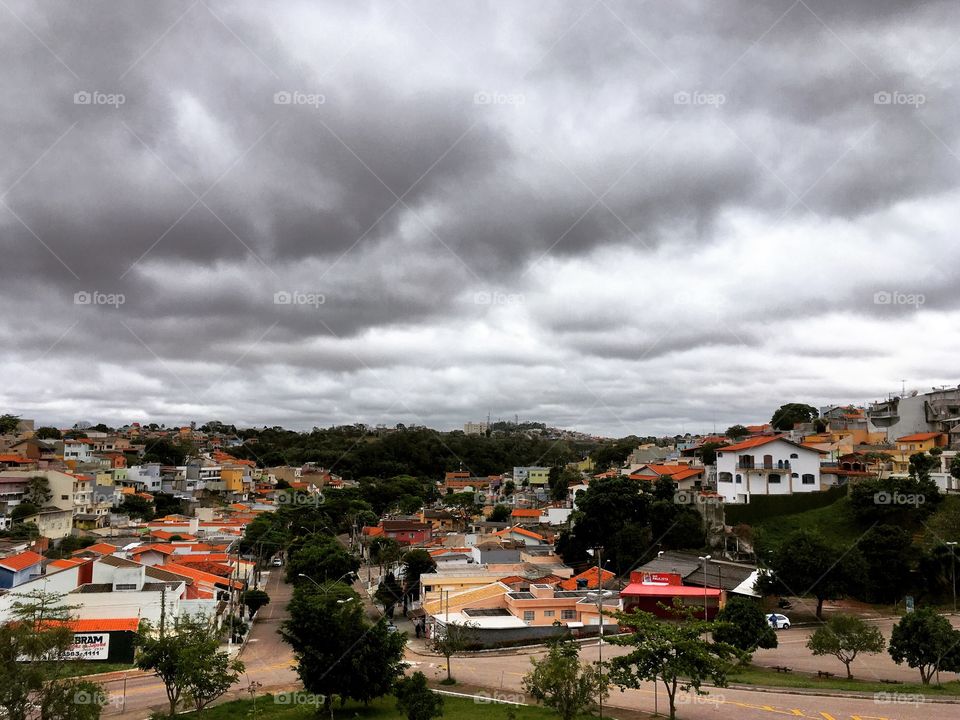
(794, 456)
(774, 478)
(528, 615)
(739, 478)
(568, 614)
(549, 613)
(125, 586)
(64, 497)
(794, 475)
(725, 477)
(808, 479)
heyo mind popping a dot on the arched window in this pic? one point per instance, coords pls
(808, 479)
(739, 478)
(725, 477)
(794, 456)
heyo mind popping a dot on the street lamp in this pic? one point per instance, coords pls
(953, 571)
(329, 586)
(704, 559)
(599, 595)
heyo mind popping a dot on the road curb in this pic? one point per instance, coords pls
(774, 689)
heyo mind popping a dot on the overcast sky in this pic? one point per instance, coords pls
(620, 217)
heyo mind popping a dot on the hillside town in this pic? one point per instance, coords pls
(142, 525)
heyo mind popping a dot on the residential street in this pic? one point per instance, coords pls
(268, 659)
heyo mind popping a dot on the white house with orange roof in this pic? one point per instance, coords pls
(766, 465)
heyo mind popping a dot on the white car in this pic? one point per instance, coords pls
(778, 621)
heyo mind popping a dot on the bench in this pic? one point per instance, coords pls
(782, 668)
(892, 682)
(824, 674)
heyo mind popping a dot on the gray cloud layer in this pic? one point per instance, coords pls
(628, 217)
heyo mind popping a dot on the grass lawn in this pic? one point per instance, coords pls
(754, 675)
(834, 522)
(273, 708)
(81, 668)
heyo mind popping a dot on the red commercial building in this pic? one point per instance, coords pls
(651, 591)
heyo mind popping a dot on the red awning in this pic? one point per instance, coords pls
(639, 589)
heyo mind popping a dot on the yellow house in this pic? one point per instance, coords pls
(921, 442)
(232, 478)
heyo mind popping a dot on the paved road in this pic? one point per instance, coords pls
(268, 661)
(504, 673)
(792, 652)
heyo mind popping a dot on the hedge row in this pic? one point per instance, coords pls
(762, 507)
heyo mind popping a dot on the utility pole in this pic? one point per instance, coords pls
(953, 571)
(598, 551)
(704, 559)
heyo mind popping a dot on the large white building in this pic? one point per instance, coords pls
(766, 465)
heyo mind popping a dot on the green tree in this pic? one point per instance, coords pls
(416, 563)
(786, 416)
(212, 678)
(925, 641)
(955, 467)
(499, 514)
(735, 432)
(384, 551)
(708, 452)
(136, 506)
(676, 653)
(34, 663)
(742, 623)
(9, 423)
(184, 654)
(560, 681)
(47, 433)
(320, 557)
(254, 599)
(888, 553)
(38, 491)
(450, 640)
(845, 637)
(337, 651)
(22, 510)
(389, 592)
(805, 563)
(415, 698)
(613, 513)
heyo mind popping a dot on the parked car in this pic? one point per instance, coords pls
(277, 562)
(392, 628)
(778, 621)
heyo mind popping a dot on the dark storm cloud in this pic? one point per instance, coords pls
(484, 197)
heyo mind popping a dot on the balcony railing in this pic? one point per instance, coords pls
(779, 465)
